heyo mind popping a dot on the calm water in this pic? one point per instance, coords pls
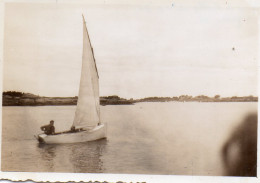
(150, 138)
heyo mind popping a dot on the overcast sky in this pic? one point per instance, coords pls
(141, 50)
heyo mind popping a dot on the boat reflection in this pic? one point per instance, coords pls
(48, 154)
(78, 158)
(86, 157)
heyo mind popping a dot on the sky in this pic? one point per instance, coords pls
(168, 49)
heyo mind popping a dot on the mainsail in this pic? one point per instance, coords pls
(87, 113)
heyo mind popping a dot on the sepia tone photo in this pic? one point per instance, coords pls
(130, 88)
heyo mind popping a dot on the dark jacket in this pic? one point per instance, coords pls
(48, 129)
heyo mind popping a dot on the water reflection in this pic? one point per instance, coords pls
(154, 140)
(86, 157)
(240, 150)
(48, 154)
(78, 158)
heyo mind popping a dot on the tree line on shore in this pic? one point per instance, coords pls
(200, 98)
(15, 98)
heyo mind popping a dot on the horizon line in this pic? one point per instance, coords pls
(141, 97)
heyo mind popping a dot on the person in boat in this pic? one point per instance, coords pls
(49, 129)
(73, 129)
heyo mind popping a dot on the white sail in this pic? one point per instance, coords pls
(87, 113)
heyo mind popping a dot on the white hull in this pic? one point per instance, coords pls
(96, 133)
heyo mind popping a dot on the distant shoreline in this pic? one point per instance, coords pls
(13, 98)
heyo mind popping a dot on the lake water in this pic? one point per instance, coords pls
(146, 138)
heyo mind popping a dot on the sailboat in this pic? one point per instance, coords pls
(87, 116)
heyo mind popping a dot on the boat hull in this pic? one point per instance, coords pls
(96, 133)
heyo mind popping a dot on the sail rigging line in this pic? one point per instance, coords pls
(92, 50)
(90, 43)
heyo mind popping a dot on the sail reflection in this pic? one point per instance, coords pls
(86, 157)
(78, 158)
(48, 154)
